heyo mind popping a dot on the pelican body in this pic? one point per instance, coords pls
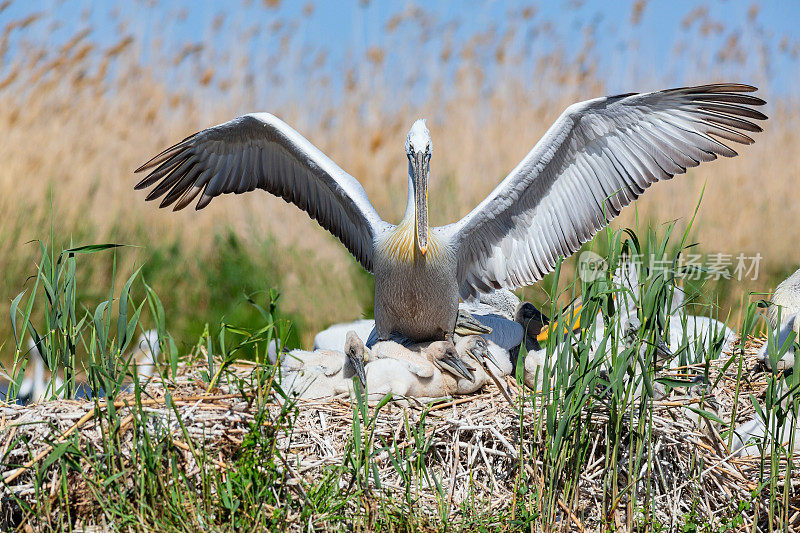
(418, 298)
(597, 158)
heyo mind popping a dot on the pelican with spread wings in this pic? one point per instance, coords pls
(598, 157)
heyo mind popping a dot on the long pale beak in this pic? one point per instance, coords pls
(466, 324)
(456, 366)
(484, 354)
(358, 366)
(420, 165)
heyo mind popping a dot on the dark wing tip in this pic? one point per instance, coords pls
(167, 153)
(204, 201)
(142, 184)
(716, 88)
(153, 195)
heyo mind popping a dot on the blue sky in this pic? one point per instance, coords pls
(627, 54)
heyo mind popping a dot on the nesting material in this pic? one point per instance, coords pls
(473, 452)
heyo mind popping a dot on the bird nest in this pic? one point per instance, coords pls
(470, 445)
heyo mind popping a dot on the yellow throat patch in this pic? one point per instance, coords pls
(400, 245)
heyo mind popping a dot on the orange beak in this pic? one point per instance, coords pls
(550, 328)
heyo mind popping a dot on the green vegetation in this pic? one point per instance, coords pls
(596, 415)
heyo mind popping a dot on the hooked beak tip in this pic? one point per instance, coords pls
(423, 250)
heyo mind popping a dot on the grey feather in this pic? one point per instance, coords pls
(261, 151)
(598, 157)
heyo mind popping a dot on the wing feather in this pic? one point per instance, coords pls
(597, 158)
(259, 151)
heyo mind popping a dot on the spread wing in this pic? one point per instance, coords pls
(259, 151)
(598, 157)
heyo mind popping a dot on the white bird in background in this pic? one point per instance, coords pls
(335, 337)
(148, 352)
(598, 157)
(752, 437)
(785, 299)
(789, 331)
(690, 334)
(786, 302)
(37, 388)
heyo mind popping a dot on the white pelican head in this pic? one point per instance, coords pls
(418, 151)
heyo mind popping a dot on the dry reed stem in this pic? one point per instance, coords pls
(474, 446)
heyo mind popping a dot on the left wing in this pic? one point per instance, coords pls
(598, 157)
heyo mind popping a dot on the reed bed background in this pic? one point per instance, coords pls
(214, 442)
(79, 114)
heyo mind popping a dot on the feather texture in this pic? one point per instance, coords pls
(598, 157)
(259, 151)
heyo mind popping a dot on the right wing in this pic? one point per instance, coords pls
(259, 151)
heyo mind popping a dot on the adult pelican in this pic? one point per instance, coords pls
(598, 157)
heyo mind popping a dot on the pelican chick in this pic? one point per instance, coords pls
(474, 349)
(403, 372)
(380, 376)
(598, 157)
(496, 310)
(512, 322)
(430, 371)
(321, 373)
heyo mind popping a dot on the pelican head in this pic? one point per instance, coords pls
(476, 347)
(418, 151)
(357, 355)
(445, 357)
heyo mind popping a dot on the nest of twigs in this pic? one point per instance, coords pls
(472, 447)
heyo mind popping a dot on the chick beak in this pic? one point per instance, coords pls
(486, 353)
(358, 366)
(456, 366)
(466, 324)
